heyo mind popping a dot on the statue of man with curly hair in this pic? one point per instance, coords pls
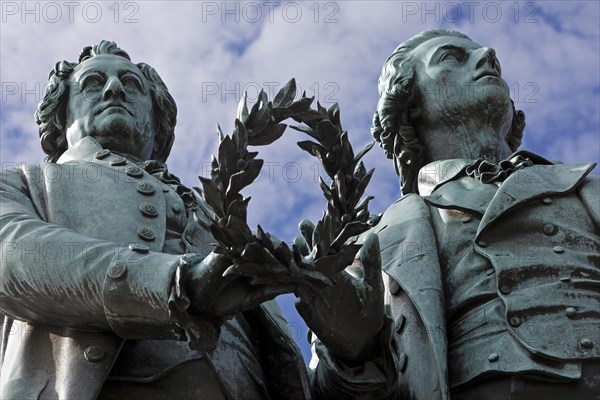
(109, 286)
(491, 255)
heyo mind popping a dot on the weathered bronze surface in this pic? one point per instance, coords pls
(492, 257)
(109, 286)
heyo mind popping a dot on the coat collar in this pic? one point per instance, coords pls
(532, 183)
(445, 185)
(83, 150)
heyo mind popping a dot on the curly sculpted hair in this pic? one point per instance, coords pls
(51, 111)
(392, 124)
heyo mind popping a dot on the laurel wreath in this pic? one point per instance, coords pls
(322, 251)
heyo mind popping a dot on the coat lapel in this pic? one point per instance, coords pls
(531, 183)
(452, 195)
(409, 256)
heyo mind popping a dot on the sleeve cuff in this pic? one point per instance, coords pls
(144, 299)
(374, 379)
(201, 333)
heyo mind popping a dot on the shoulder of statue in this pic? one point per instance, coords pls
(404, 211)
(407, 207)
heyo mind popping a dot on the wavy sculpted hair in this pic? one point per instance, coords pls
(392, 124)
(51, 113)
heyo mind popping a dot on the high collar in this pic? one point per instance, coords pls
(457, 190)
(85, 149)
(436, 173)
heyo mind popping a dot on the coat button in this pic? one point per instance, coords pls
(514, 321)
(118, 161)
(176, 208)
(146, 234)
(400, 322)
(148, 210)
(586, 343)
(493, 357)
(402, 361)
(99, 155)
(145, 188)
(505, 289)
(558, 249)
(393, 286)
(93, 354)
(134, 172)
(465, 220)
(549, 229)
(139, 248)
(117, 270)
(571, 312)
(547, 200)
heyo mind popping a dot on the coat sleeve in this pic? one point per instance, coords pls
(55, 276)
(376, 379)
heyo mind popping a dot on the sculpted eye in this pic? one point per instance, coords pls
(452, 56)
(449, 56)
(131, 83)
(92, 82)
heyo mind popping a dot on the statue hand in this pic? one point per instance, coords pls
(348, 317)
(220, 296)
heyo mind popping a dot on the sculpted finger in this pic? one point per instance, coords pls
(306, 229)
(370, 257)
(259, 294)
(302, 245)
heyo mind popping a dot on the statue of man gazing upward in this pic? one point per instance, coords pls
(492, 254)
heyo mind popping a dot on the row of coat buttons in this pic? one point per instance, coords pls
(402, 358)
(571, 312)
(145, 188)
(550, 229)
(116, 162)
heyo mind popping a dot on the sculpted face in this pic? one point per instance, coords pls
(463, 95)
(110, 101)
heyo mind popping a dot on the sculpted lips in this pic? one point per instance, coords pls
(105, 107)
(487, 72)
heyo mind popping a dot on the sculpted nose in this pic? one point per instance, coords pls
(113, 89)
(487, 55)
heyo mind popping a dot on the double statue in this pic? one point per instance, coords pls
(481, 282)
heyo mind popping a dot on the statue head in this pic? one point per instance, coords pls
(126, 107)
(435, 85)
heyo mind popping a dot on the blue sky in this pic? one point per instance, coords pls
(209, 52)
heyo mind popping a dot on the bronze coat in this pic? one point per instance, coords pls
(72, 288)
(414, 285)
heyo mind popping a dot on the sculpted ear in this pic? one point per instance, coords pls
(514, 138)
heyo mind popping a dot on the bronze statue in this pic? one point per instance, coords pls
(110, 289)
(492, 254)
